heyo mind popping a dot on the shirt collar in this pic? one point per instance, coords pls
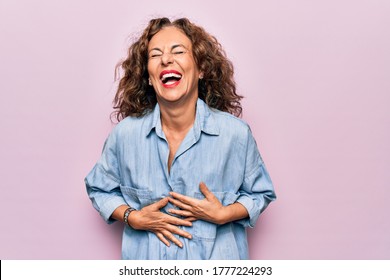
(204, 120)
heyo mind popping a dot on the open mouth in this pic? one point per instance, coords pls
(170, 77)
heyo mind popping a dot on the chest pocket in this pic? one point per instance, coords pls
(137, 198)
(205, 230)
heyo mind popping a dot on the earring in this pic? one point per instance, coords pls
(150, 82)
(201, 76)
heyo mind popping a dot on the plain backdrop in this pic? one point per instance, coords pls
(316, 81)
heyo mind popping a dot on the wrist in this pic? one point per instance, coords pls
(223, 216)
(126, 215)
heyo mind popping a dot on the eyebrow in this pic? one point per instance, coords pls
(156, 49)
(178, 45)
(173, 47)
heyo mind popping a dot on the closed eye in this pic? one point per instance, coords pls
(178, 49)
(155, 53)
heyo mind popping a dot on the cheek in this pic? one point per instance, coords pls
(193, 68)
(150, 70)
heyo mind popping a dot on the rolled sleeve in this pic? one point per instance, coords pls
(250, 206)
(102, 183)
(260, 193)
(257, 190)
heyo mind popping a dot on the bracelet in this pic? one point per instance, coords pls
(126, 215)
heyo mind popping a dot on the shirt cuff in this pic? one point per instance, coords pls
(109, 207)
(253, 211)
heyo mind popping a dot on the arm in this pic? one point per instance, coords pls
(103, 187)
(255, 193)
(150, 218)
(209, 209)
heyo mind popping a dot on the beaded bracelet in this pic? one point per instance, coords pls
(126, 215)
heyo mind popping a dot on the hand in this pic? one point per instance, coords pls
(209, 209)
(150, 218)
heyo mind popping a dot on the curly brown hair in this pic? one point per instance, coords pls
(134, 96)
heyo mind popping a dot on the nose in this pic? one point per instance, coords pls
(167, 58)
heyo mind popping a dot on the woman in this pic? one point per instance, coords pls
(179, 169)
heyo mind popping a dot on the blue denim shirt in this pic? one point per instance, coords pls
(219, 150)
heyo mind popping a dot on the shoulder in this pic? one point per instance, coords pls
(230, 123)
(132, 125)
(231, 128)
(239, 132)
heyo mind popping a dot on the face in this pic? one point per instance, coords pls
(171, 66)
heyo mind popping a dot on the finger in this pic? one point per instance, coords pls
(175, 230)
(180, 204)
(205, 191)
(191, 219)
(181, 213)
(163, 239)
(159, 204)
(171, 237)
(183, 198)
(177, 221)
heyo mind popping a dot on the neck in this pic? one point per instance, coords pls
(178, 118)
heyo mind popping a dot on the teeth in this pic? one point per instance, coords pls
(170, 75)
(170, 82)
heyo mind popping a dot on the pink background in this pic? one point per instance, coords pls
(316, 77)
